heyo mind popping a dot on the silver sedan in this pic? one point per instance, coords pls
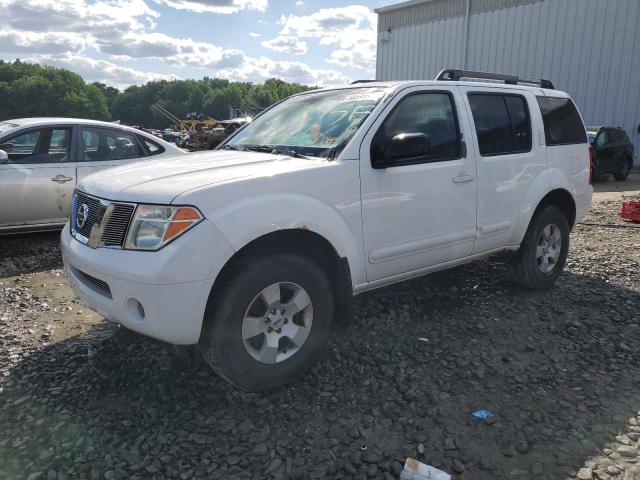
(42, 159)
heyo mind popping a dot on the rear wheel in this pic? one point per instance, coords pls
(270, 322)
(543, 253)
(623, 171)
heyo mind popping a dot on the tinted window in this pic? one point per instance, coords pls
(39, 146)
(152, 147)
(502, 123)
(102, 144)
(430, 113)
(562, 123)
(618, 135)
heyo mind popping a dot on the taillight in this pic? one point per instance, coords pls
(590, 164)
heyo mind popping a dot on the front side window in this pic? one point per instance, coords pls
(603, 139)
(562, 123)
(48, 145)
(426, 119)
(104, 144)
(502, 123)
(316, 124)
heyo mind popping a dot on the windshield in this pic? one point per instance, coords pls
(4, 126)
(315, 124)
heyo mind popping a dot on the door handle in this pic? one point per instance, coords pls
(61, 179)
(463, 179)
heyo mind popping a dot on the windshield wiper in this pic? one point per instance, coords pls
(231, 147)
(275, 149)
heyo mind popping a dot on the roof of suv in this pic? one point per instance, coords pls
(448, 83)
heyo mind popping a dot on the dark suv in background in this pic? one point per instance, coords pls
(612, 151)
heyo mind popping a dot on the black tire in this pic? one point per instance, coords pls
(623, 172)
(221, 342)
(524, 267)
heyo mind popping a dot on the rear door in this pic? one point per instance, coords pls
(37, 184)
(102, 147)
(508, 160)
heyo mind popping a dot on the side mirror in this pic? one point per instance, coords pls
(4, 158)
(405, 146)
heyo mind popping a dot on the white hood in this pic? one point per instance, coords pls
(162, 180)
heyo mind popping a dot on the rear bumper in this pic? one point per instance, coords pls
(146, 291)
(583, 203)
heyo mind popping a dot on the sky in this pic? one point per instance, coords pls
(127, 42)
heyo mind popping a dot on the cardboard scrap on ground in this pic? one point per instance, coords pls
(415, 470)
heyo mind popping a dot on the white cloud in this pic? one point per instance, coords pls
(94, 70)
(78, 16)
(299, 3)
(69, 33)
(286, 44)
(351, 29)
(260, 69)
(13, 41)
(254, 34)
(216, 6)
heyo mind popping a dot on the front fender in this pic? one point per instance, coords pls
(243, 221)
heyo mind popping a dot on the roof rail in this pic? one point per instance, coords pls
(455, 75)
(362, 81)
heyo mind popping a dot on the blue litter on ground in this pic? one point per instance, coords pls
(482, 414)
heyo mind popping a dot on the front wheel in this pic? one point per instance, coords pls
(623, 172)
(543, 252)
(270, 322)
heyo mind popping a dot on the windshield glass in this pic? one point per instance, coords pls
(4, 126)
(311, 124)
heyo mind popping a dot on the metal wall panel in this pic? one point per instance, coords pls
(422, 13)
(589, 48)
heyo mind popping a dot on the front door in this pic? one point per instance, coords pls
(605, 151)
(37, 184)
(418, 200)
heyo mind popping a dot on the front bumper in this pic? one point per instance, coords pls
(160, 294)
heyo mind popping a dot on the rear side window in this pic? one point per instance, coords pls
(502, 123)
(103, 144)
(562, 123)
(618, 136)
(152, 147)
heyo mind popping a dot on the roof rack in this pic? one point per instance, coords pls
(456, 75)
(362, 81)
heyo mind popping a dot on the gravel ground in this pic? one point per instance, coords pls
(560, 370)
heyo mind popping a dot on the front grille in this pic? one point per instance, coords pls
(100, 285)
(107, 220)
(94, 213)
(116, 228)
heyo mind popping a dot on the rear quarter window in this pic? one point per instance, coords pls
(562, 123)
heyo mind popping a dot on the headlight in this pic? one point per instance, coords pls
(153, 226)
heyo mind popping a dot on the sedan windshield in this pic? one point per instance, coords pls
(315, 124)
(4, 126)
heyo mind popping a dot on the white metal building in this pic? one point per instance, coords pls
(589, 48)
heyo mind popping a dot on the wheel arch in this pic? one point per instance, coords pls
(301, 242)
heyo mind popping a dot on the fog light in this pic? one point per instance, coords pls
(135, 310)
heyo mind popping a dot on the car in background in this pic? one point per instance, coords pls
(42, 160)
(612, 151)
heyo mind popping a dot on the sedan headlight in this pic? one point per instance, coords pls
(153, 226)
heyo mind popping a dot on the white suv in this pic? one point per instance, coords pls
(253, 250)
